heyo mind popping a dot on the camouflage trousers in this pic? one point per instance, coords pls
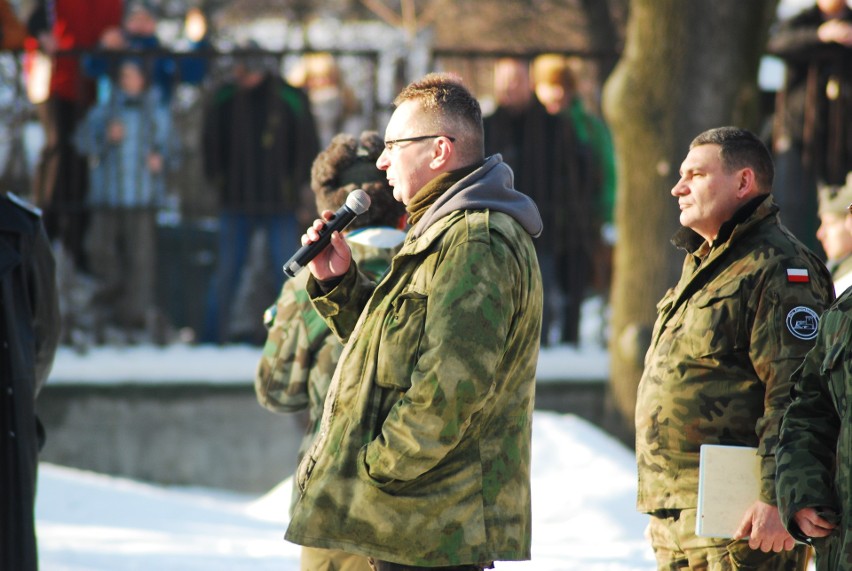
(677, 547)
(377, 565)
(315, 559)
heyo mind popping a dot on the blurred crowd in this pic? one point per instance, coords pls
(104, 88)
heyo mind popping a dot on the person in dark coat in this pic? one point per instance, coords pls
(812, 137)
(259, 141)
(551, 167)
(29, 334)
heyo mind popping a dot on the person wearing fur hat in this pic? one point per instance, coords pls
(835, 232)
(301, 352)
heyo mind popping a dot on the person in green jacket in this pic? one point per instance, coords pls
(727, 338)
(423, 455)
(301, 353)
(814, 477)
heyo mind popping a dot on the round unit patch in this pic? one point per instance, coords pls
(802, 322)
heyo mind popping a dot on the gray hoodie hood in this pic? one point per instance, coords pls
(491, 187)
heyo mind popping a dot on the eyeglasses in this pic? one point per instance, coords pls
(389, 145)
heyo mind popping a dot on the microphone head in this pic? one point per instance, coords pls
(358, 201)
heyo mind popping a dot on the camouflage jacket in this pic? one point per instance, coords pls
(727, 338)
(423, 456)
(815, 450)
(300, 353)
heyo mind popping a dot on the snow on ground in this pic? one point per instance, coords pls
(237, 363)
(149, 364)
(583, 516)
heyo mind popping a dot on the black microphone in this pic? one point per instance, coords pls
(357, 203)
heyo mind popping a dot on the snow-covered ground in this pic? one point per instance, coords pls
(145, 364)
(583, 516)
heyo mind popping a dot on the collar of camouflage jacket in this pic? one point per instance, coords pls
(754, 210)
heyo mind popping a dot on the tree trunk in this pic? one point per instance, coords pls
(687, 66)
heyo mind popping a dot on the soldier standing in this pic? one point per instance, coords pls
(814, 466)
(727, 337)
(423, 454)
(29, 333)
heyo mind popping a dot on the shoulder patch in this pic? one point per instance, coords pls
(802, 323)
(20, 202)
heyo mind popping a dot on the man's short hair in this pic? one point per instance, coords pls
(739, 149)
(449, 109)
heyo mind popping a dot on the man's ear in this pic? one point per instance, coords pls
(747, 184)
(442, 153)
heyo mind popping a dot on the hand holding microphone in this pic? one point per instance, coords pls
(357, 203)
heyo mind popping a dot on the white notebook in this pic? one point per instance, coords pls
(728, 483)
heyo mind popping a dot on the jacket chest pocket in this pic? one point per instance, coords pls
(399, 343)
(715, 321)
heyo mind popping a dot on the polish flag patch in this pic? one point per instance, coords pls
(797, 275)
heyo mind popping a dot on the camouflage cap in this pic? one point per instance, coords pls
(836, 199)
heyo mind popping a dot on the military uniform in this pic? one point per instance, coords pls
(423, 456)
(726, 340)
(815, 450)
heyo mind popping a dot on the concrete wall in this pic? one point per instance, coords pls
(200, 435)
(213, 435)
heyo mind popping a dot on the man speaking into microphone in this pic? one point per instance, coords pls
(422, 459)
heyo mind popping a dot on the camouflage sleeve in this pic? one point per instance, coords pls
(783, 331)
(295, 336)
(341, 307)
(468, 316)
(809, 431)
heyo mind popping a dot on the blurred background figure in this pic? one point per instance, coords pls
(29, 333)
(553, 168)
(301, 352)
(61, 175)
(259, 140)
(139, 34)
(835, 232)
(812, 131)
(333, 102)
(127, 141)
(557, 85)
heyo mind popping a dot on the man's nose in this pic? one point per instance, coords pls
(382, 162)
